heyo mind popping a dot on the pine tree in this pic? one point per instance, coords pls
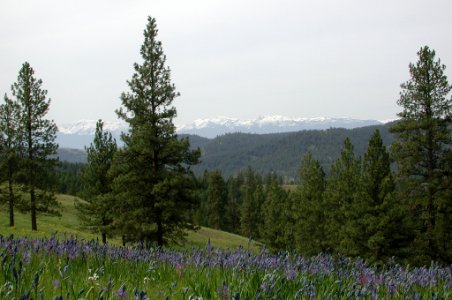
(253, 197)
(234, 203)
(96, 212)
(423, 143)
(153, 182)
(340, 198)
(380, 221)
(10, 149)
(308, 208)
(216, 200)
(39, 136)
(274, 215)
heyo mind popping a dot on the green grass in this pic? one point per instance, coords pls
(68, 225)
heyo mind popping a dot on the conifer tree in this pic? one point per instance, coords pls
(309, 209)
(153, 182)
(422, 146)
(216, 200)
(39, 136)
(340, 197)
(252, 199)
(10, 149)
(96, 212)
(381, 222)
(234, 203)
(274, 215)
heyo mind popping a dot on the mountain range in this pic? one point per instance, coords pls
(281, 152)
(80, 134)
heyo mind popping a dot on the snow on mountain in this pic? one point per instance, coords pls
(88, 127)
(268, 124)
(79, 134)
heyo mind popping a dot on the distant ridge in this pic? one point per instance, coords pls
(211, 128)
(79, 134)
(278, 152)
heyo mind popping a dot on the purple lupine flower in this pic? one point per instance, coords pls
(121, 292)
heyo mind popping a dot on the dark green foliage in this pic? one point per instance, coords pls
(422, 149)
(152, 180)
(382, 225)
(341, 197)
(216, 200)
(252, 199)
(280, 152)
(275, 210)
(308, 208)
(72, 155)
(96, 211)
(234, 203)
(38, 141)
(69, 178)
(10, 152)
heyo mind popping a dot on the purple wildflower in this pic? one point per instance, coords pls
(56, 283)
(121, 292)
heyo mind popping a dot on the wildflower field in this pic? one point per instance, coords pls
(78, 269)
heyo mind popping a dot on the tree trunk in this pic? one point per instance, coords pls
(34, 225)
(159, 230)
(104, 238)
(11, 201)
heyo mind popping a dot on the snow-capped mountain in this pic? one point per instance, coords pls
(270, 124)
(88, 127)
(80, 134)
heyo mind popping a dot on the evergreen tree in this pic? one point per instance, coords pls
(96, 212)
(200, 215)
(422, 146)
(10, 143)
(153, 182)
(234, 203)
(274, 215)
(216, 200)
(381, 222)
(70, 180)
(308, 208)
(340, 196)
(253, 197)
(38, 140)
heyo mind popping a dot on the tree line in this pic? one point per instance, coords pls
(391, 202)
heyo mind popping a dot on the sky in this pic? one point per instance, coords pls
(241, 59)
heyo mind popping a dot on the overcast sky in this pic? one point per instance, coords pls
(241, 59)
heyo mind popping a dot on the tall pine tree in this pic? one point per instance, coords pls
(422, 146)
(216, 200)
(309, 209)
(379, 215)
(340, 198)
(274, 215)
(10, 150)
(39, 136)
(234, 203)
(153, 182)
(96, 211)
(252, 199)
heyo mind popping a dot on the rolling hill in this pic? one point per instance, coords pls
(68, 225)
(279, 152)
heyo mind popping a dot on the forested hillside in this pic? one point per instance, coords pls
(278, 152)
(281, 152)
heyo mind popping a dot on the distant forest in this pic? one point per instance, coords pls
(277, 152)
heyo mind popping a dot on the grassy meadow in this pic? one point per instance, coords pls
(68, 226)
(61, 261)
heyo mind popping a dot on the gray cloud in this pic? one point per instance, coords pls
(236, 58)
